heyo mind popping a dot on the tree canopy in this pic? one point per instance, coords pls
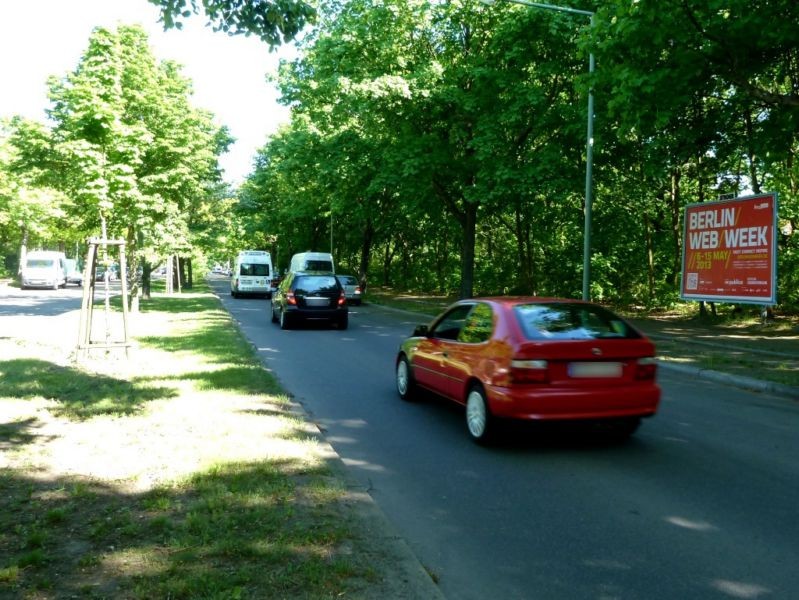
(444, 142)
(273, 21)
(125, 149)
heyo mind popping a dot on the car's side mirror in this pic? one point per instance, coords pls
(421, 331)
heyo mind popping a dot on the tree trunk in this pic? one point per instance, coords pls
(147, 270)
(366, 253)
(750, 151)
(387, 264)
(131, 266)
(23, 249)
(467, 254)
(525, 271)
(650, 258)
(189, 272)
(676, 210)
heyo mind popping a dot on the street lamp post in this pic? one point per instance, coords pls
(589, 145)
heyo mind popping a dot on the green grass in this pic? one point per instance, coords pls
(273, 525)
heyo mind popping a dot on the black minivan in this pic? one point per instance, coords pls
(307, 296)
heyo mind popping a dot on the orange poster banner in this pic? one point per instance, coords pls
(730, 250)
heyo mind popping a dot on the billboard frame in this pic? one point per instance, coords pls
(729, 290)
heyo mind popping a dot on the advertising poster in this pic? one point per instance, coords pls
(730, 250)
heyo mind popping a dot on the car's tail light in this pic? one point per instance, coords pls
(646, 368)
(357, 291)
(342, 298)
(529, 371)
(291, 299)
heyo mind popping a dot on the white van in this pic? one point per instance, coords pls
(44, 269)
(252, 274)
(312, 261)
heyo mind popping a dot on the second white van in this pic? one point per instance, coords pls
(312, 261)
(252, 274)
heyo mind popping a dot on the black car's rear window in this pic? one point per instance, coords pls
(565, 321)
(311, 284)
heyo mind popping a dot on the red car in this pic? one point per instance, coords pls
(533, 359)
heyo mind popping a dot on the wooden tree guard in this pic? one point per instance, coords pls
(85, 343)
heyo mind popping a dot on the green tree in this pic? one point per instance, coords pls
(273, 21)
(130, 149)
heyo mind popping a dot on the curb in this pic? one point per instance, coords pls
(747, 383)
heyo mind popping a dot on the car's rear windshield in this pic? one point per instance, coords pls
(565, 321)
(318, 265)
(310, 284)
(348, 280)
(257, 269)
(39, 263)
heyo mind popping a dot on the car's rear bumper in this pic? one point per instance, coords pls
(321, 314)
(559, 403)
(39, 283)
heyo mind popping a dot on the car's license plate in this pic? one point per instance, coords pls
(595, 369)
(317, 301)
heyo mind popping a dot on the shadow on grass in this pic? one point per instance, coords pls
(252, 379)
(250, 530)
(217, 340)
(79, 395)
(19, 433)
(179, 304)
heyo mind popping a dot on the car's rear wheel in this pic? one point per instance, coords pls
(406, 386)
(343, 322)
(284, 320)
(479, 422)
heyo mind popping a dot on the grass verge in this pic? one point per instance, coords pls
(182, 472)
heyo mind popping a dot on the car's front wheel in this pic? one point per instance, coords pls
(274, 316)
(479, 422)
(406, 386)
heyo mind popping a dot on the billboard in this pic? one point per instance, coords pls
(730, 250)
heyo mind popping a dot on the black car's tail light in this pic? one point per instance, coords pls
(529, 371)
(290, 299)
(342, 298)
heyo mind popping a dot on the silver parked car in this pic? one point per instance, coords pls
(351, 288)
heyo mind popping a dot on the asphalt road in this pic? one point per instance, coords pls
(700, 503)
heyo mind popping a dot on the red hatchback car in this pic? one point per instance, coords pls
(533, 359)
